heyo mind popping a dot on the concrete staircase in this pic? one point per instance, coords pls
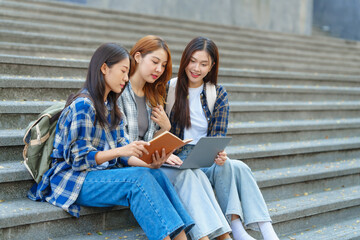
(294, 115)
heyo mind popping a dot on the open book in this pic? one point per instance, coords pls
(165, 140)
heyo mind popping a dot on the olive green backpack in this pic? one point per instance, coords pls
(39, 138)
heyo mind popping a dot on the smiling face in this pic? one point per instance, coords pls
(152, 65)
(199, 66)
(116, 76)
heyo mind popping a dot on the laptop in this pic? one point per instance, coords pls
(204, 152)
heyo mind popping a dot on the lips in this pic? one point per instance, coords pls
(154, 76)
(195, 75)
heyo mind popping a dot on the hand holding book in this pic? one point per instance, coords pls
(166, 140)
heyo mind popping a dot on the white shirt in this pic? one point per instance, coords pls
(198, 120)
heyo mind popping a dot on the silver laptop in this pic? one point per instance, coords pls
(204, 152)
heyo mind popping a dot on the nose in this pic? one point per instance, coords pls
(159, 68)
(197, 67)
(126, 77)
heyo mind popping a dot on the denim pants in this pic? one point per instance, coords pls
(197, 195)
(238, 193)
(150, 195)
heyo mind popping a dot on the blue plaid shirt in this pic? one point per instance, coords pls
(217, 122)
(76, 142)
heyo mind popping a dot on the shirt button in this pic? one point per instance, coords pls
(208, 119)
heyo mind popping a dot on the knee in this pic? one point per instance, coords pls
(240, 166)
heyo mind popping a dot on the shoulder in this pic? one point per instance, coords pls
(81, 106)
(221, 92)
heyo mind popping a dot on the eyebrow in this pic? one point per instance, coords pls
(201, 61)
(158, 58)
(125, 66)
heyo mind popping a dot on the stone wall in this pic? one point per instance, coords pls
(338, 18)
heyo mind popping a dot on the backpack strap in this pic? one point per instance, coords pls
(211, 96)
(170, 98)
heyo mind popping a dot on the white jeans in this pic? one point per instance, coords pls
(196, 193)
(238, 193)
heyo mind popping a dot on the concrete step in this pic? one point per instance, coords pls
(291, 131)
(66, 67)
(20, 48)
(251, 61)
(266, 92)
(287, 209)
(15, 114)
(292, 148)
(348, 229)
(287, 111)
(276, 183)
(41, 88)
(38, 66)
(177, 44)
(303, 180)
(26, 219)
(133, 232)
(315, 211)
(222, 31)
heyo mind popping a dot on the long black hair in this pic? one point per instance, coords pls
(109, 53)
(181, 105)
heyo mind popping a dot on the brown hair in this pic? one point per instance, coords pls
(181, 105)
(111, 54)
(154, 92)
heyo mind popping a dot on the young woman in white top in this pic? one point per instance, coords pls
(234, 184)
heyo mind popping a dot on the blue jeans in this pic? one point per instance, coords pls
(238, 193)
(150, 195)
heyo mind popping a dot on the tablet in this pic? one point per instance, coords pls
(204, 152)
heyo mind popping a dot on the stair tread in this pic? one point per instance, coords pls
(312, 204)
(25, 211)
(289, 148)
(220, 29)
(131, 233)
(342, 229)
(307, 172)
(15, 212)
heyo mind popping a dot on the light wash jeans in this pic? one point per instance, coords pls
(238, 193)
(197, 195)
(148, 192)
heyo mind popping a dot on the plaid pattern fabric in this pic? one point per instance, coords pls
(217, 123)
(127, 105)
(76, 142)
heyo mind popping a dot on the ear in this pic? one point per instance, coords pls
(137, 57)
(103, 68)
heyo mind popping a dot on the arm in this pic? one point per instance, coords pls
(160, 118)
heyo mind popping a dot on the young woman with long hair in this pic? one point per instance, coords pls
(236, 189)
(142, 105)
(90, 150)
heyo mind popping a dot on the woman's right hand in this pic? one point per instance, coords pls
(136, 148)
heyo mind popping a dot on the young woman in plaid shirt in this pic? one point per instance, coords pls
(144, 117)
(234, 184)
(90, 149)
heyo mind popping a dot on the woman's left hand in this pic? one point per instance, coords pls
(158, 160)
(159, 116)
(221, 158)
